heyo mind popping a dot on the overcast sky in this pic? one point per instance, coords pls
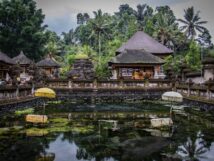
(61, 14)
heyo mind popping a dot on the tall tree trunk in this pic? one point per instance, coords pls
(33, 89)
(162, 39)
(99, 43)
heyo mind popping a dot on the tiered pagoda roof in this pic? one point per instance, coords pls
(48, 62)
(5, 59)
(22, 59)
(136, 57)
(142, 41)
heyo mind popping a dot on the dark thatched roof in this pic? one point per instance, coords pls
(48, 62)
(4, 58)
(136, 57)
(22, 59)
(141, 40)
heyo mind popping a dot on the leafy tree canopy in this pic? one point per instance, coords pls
(21, 28)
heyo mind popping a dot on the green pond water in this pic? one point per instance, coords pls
(77, 132)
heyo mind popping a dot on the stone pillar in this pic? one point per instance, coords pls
(190, 83)
(121, 83)
(198, 93)
(17, 92)
(208, 93)
(70, 83)
(209, 85)
(95, 83)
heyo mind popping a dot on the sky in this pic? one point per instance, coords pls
(61, 14)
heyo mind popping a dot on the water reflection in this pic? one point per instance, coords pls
(80, 138)
(70, 151)
(194, 149)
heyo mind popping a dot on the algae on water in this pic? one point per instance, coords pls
(24, 111)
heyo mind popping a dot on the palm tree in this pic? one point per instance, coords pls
(69, 38)
(99, 27)
(192, 23)
(143, 13)
(165, 29)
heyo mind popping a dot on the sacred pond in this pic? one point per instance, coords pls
(107, 132)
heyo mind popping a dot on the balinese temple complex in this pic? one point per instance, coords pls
(50, 66)
(139, 58)
(24, 63)
(5, 64)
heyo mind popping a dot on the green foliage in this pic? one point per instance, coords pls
(210, 53)
(24, 112)
(193, 57)
(205, 39)
(21, 28)
(82, 18)
(173, 63)
(81, 56)
(69, 38)
(101, 69)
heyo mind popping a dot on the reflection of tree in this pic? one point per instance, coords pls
(19, 147)
(193, 150)
(94, 145)
(82, 154)
(15, 146)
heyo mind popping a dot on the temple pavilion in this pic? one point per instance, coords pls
(5, 64)
(24, 63)
(140, 57)
(50, 66)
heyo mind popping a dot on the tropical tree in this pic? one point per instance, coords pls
(193, 57)
(54, 46)
(82, 18)
(22, 28)
(100, 28)
(82, 34)
(143, 14)
(165, 29)
(125, 8)
(192, 23)
(69, 38)
(205, 39)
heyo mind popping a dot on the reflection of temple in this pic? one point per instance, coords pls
(141, 57)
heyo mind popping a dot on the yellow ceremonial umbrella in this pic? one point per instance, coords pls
(45, 92)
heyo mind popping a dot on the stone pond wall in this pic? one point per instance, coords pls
(111, 91)
(110, 95)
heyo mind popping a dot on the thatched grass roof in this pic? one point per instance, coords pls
(22, 59)
(141, 40)
(136, 57)
(48, 62)
(4, 58)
